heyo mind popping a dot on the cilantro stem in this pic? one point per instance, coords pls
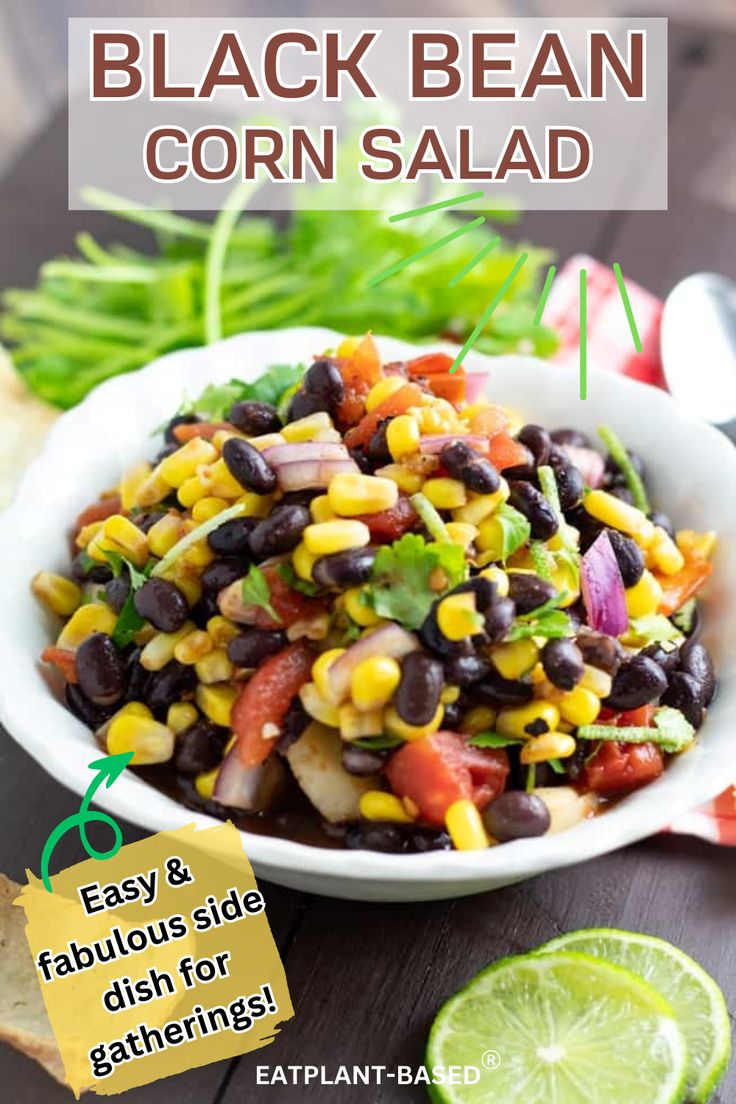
(531, 778)
(621, 458)
(432, 520)
(195, 535)
(541, 563)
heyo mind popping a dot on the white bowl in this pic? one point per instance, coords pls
(692, 473)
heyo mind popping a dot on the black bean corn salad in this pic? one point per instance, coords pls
(366, 592)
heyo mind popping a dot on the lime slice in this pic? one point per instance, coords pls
(561, 1028)
(696, 1000)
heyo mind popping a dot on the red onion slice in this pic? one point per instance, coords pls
(589, 463)
(248, 788)
(430, 446)
(603, 588)
(390, 640)
(308, 450)
(305, 474)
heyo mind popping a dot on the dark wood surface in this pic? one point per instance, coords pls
(366, 980)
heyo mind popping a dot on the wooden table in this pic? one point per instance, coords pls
(366, 980)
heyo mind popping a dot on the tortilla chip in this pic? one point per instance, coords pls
(23, 1020)
(24, 423)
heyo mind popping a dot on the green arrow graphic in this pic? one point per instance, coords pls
(108, 770)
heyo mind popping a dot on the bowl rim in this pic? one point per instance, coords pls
(513, 861)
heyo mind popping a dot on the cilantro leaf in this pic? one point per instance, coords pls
(217, 398)
(377, 743)
(684, 618)
(286, 572)
(129, 622)
(493, 740)
(546, 620)
(255, 591)
(541, 560)
(556, 766)
(400, 578)
(515, 529)
(654, 628)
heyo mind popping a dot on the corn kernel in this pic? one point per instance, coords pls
(449, 695)
(465, 826)
(597, 681)
(204, 783)
(153, 490)
(348, 347)
(192, 647)
(550, 745)
(303, 561)
(180, 716)
(351, 493)
(255, 505)
(318, 707)
(192, 490)
(87, 533)
(216, 702)
(644, 597)
(358, 610)
(565, 579)
(130, 484)
(383, 390)
(490, 539)
(516, 659)
(217, 480)
(403, 436)
(664, 554)
(222, 435)
(160, 650)
(457, 617)
(481, 718)
(86, 620)
(479, 507)
(130, 709)
(119, 534)
(320, 669)
(184, 463)
(304, 429)
(214, 667)
(696, 546)
(445, 494)
(354, 724)
(58, 594)
(499, 579)
(519, 719)
(620, 515)
(405, 478)
(328, 537)
(266, 440)
(579, 706)
(222, 630)
(180, 574)
(208, 507)
(397, 726)
(373, 682)
(378, 805)
(149, 741)
(197, 555)
(321, 510)
(461, 533)
(163, 535)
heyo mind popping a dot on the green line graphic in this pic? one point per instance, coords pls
(543, 297)
(438, 206)
(627, 306)
(406, 261)
(583, 334)
(488, 312)
(474, 261)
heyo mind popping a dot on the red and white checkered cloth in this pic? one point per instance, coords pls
(610, 344)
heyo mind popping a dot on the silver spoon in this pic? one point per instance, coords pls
(698, 346)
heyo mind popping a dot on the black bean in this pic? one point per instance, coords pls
(295, 721)
(362, 761)
(686, 694)
(432, 638)
(428, 839)
(570, 437)
(303, 404)
(299, 498)
(204, 609)
(162, 603)
(100, 669)
(280, 532)
(462, 670)
(587, 526)
(517, 815)
(363, 462)
(599, 650)
(666, 656)
(528, 591)
(344, 569)
(536, 509)
(136, 676)
(221, 573)
(250, 467)
(252, 646)
(94, 716)
(376, 836)
(663, 521)
(324, 380)
(117, 591)
(418, 692)
(197, 748)
(538, 441)
(452, 716)
(481, 477)
(86, 570)
(628, 557)
(495, 690)
(378, 451)
(638, 681)
(569, 481)
(498, 618)
(695, 660)
(232, 537)
(456, 456)
(177, 420)
(563, 663)
(254, 418)
(483, 589)
(169, 685)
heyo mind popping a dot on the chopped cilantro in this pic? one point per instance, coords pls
(684, 618)
(217, 398)
(404, 578)
(129, 622)
(547, 620)
(286, 572)
(431, 519)
(255, 591)
(672, 731)
(515, 529)
(377, 743)
(541, 561)
(556, 766)
(493, 740)
(653, 628)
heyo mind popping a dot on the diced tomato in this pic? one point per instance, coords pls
(98, 511)
(679, 588)
(408, 395)
(488, 420)
(389, 525)
(429, 364)
(187, 431)
(448, 386)
(437, 770)
(359, 372)
(63, 659)
(505, 452)
(265, 699)
(352, 407)
(290, 605)
(619, 768)
(365, 362)
(630, 718)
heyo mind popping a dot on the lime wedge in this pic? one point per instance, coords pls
(561, 1028)
(693, 995)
